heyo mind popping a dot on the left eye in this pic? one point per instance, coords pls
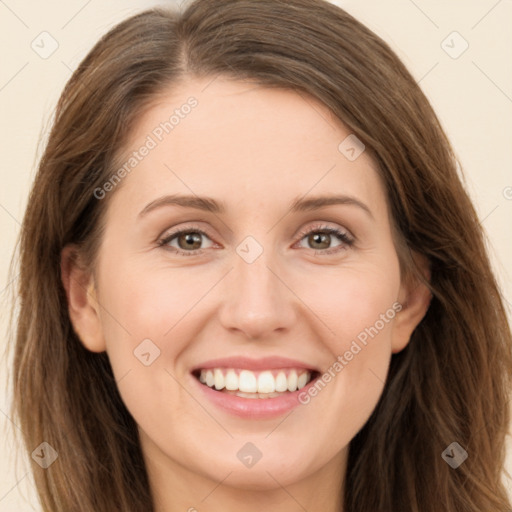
(324, 235)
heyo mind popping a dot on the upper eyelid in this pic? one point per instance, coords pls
(324, 226)
(171, 233)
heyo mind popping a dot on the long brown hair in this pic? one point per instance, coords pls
(450, 384)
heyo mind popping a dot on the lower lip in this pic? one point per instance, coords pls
(254, 408)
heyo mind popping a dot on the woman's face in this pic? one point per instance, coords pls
(258, 293)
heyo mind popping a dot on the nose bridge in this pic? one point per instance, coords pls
(256, 301)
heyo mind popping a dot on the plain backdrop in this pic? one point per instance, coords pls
(459, 51)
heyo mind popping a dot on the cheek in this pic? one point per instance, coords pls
(355, 303)
(148, 321)
(142, 303)
(154, 314)
(359, 307)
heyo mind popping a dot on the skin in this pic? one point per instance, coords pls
(256, 150)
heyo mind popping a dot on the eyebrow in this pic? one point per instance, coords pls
(211, 205)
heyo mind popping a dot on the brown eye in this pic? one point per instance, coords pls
(189, 240)
(321, 238)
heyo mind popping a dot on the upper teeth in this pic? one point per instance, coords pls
(255, 382)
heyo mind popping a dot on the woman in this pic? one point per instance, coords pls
(251, 279)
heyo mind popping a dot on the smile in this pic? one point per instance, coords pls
(255, 384)
(254, 389)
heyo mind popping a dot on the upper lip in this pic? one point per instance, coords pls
(247, 363)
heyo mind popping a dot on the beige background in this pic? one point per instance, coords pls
(472, 95)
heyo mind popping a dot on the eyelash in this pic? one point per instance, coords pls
(342, 236)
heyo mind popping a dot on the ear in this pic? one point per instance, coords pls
(81, 296)
(414, 298)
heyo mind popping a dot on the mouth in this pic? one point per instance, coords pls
(261, 384)
(254, 389)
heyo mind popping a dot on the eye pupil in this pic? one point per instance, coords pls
(190, 238)
(320, 238)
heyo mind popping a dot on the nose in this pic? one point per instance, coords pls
(258, 302)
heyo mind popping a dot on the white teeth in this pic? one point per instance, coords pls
(219, 378)
(292, 381)
(302, 380)
(231, 380)
(266, 382)
(281, 382)
(247, 382)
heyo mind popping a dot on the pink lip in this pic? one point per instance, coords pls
(254, 408)
(246, 363)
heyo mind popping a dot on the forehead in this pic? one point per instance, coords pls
(245, 143)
